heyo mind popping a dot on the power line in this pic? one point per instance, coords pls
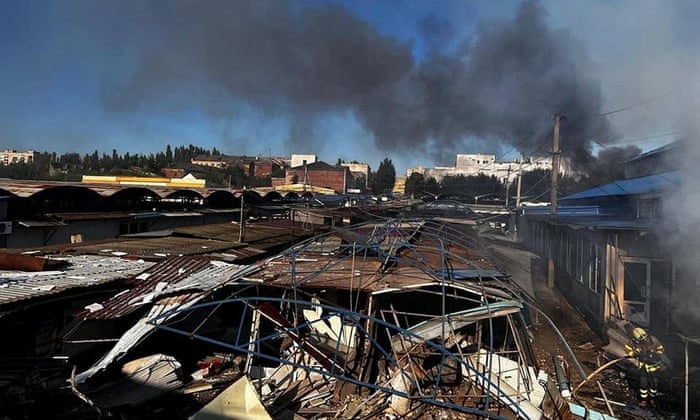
(533, 186)
(524, 139)
(636, 104)
(632, 140)
(614, 181)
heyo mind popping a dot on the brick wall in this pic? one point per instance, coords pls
(334, 179)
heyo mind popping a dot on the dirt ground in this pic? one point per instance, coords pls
(586, 346)
(583, 342)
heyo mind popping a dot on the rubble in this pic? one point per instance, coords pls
(387, 319)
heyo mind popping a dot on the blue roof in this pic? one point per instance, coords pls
(634, 186)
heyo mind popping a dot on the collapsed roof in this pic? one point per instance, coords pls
(385, 318)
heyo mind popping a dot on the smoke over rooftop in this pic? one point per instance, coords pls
(500, 86)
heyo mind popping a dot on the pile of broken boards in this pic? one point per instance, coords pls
(395, 319)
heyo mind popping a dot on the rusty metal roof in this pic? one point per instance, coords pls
(151, 248)
(383, 255)
(221, 239)
(171, 270)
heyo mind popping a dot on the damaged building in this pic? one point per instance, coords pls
(622, 258)
(400, 318)
(308, 311)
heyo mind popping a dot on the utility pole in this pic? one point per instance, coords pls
(553, 201)
(241, 231)
(306, 175)
(507, 185)
(520, 180)
(517, 196)
(555, 167)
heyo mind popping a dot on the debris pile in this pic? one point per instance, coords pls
(387, 319)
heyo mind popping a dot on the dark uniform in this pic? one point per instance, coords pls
(648, 351)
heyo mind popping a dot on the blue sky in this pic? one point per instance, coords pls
(134, 76)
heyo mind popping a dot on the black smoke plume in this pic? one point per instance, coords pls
(282, 57)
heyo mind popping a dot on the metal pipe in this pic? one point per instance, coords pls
(562, 383)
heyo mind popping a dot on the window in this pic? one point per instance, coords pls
(649, 207)
(635, 290)
(596, 268)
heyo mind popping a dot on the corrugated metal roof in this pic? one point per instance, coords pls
(219, 239)
(151, 248)
(598, 222)
(172, 276)
(635, 186)
(182, 290)
(141, 329)
(83, 271)
(419, 253)
(27, 188)
(171, 270)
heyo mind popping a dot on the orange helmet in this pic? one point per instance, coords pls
(640, 334)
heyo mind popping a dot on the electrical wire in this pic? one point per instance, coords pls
(614, 181)
(523, 140)
(636, 139)
(533, 186)
(636, 104)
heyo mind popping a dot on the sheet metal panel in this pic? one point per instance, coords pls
(83, 271)
(171, 270)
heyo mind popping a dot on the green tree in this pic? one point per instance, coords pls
(432, 186)
(472, 186)
(535, 185)
(415, 185)
(457, 185)
(383, 180)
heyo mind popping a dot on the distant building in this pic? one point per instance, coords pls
(608, 247)
(300, 159)
(252, 166)
(321, 174)
(9, 157)
(399, 185)
(486, 164)
(360, 171)
(173, 172)
(218, 161)
(264, 166)
(187, 181)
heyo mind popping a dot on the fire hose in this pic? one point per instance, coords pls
(597, 371)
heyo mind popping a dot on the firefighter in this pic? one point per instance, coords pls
(648, 351)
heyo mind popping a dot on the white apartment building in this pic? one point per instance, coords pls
(300, 159)
(486, 164)
(8, 157)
